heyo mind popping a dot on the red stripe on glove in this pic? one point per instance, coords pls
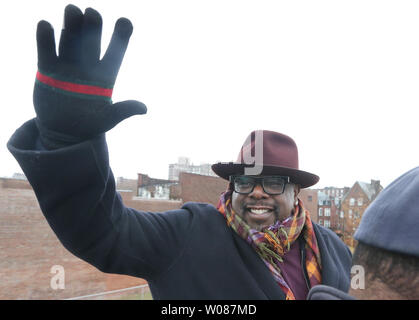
(74, 87)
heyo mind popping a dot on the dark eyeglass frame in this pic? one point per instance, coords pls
(259, 180)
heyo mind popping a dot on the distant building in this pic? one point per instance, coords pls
(151, 188)
(201, 188)
(19, 176)
(309, 199)
(189, 187)
(328, 210)
(124, 184)
(353, 205)
(184, 165)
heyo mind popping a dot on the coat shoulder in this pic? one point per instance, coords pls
(331, 239)
(203, 210)
(336, 258)
(207, 218)
(326, 232)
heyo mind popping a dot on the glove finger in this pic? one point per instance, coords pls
(118, 45)
(45, 41)
(70, 47)
(91, 33)
(117, 112)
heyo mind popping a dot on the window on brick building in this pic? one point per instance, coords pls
(321, 222)
(342, 214)
(350, 214)
(310, 198)
(320, 212)
(327, 223)
(327, 212)
(352, 201)
(360, 200)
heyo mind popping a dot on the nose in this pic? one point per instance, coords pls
(258, 192)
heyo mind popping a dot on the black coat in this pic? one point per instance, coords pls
(189, 253)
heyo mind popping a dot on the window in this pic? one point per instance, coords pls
(320, 212)
(352, 202)
(350, 214)
(321, 222)
(327, 212)
(360, 201)
(327, 223)
(310, 198)
(342, 214)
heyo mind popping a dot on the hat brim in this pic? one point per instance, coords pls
(302, 178)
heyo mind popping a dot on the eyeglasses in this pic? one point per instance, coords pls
(272, 185)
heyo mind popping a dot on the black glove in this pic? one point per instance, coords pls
(73, 90)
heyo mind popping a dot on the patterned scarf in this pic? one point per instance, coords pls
(274, 241)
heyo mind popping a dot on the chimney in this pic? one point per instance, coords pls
(376, 186)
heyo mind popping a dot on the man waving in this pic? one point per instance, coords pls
(259, 243)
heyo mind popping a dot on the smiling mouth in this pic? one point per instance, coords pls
(259, 211)
(259, 217)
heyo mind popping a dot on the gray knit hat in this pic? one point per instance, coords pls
(391, 222)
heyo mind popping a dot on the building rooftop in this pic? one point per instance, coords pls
(370, 189)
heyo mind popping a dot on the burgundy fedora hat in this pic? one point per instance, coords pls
(267, 153)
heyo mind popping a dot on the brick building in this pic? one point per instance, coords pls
(200, 188)
(152, 188)
(309, 198)
(329, 205)
(188, 187)
(354, 203)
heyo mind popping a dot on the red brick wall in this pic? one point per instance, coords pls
(350, 224)
(126, 184)
(29, 248)
(14, 184)
(309, 199)
(200, 188)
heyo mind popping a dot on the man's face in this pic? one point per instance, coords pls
(260, 209)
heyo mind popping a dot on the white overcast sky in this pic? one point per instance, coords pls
(340, 77)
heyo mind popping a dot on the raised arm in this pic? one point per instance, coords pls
(64, 155)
